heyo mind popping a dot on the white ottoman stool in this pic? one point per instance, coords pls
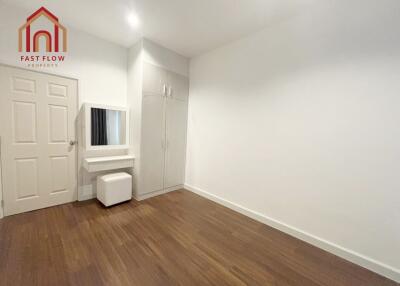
(114, 188)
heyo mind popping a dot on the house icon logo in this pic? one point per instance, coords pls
(52, 38)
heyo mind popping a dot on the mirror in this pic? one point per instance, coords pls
(106, 127)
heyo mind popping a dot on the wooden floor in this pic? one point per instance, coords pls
(175, 239)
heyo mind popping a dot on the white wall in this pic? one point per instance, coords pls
(100, 67)
(135, 76)
(299, 124)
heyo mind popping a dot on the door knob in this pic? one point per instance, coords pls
(73, 142)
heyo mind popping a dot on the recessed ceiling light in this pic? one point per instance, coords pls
(133, 20)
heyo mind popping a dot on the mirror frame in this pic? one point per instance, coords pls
(87, 127)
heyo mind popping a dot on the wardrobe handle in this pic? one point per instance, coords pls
(164, 89)
(170, 91)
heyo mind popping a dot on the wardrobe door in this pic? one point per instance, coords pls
(176, 121)
(154, 79)
(153, 145)
(178, 86)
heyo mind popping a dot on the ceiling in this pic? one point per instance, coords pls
(189, 27)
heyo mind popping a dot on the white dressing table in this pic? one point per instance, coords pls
(105, 132)
(108, 163)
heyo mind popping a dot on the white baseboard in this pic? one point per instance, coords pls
(141, 197)
(86, 192)
(352, 256)
(87, 197)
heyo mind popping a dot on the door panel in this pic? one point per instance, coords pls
(26, 178)
(22, 84)
(24, 122)
(176, 121)
(154, 79)
(152, 146)
(179, 86)
(59, 173)
(58, 124)
(38, 114)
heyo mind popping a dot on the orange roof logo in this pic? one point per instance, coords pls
(52, 37)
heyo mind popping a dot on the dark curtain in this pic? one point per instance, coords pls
(99, 127)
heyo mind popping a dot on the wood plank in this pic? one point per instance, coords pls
(175, 239)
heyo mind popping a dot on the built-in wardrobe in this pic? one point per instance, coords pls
(158, 102)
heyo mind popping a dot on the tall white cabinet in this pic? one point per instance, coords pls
(158, 99)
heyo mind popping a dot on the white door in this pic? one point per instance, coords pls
(176, 121)
(178, 86)
(153, 144)
(154, 79)
(37, 113)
